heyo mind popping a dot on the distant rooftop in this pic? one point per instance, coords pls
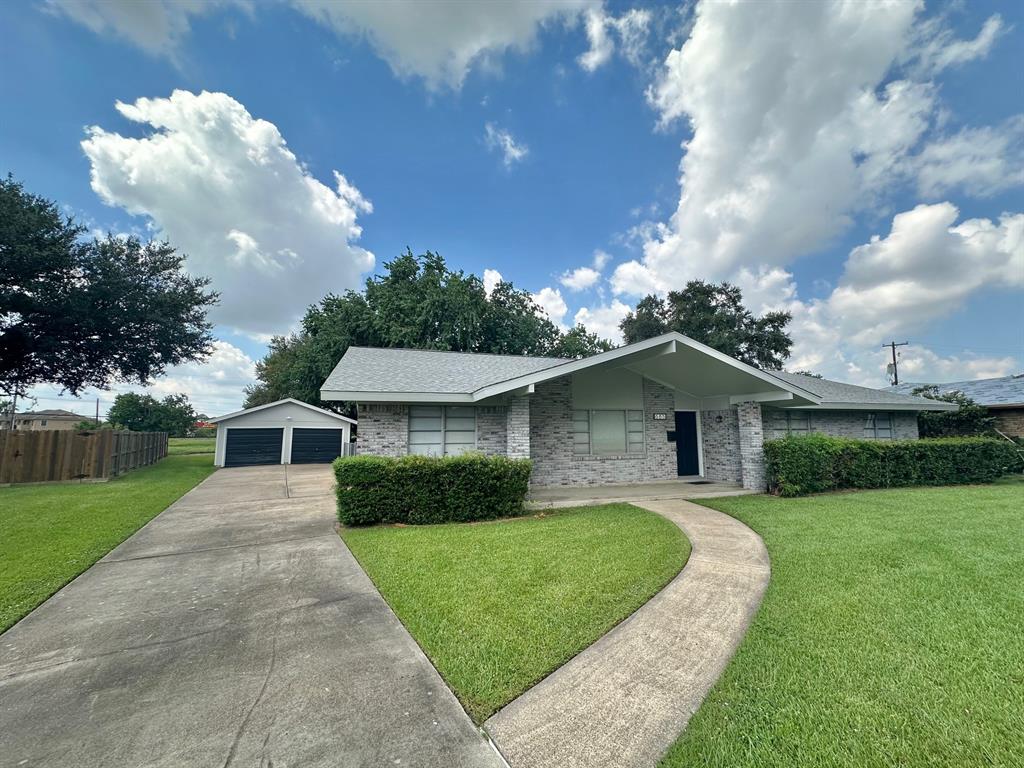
(836, 392)
(49, 414)
(1005, 390)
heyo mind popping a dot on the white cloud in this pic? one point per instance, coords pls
(501, 140)
(225, 189)
(923, 270)
(491, 279)
(603, 319)
(981, 161)
(601, 259)
(937, 47)
(156, 26)
(214, 387)
(551, 301)
(631, 29)
(580, 278)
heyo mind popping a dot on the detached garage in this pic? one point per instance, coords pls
(286, 432)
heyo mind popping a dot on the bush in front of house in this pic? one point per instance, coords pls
(819, 463)
(421, 490)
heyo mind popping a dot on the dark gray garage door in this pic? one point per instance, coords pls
(253, 446)
(316, 446)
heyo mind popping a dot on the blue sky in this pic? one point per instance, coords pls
(861, 166)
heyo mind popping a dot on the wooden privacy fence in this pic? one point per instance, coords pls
(48, 455)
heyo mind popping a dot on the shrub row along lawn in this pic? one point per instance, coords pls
(51, 533)
(499, 605)
(891, 634)
(185, 445)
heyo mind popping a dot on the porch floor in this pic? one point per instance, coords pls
(548, 497)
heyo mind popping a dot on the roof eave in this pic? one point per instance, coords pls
(395, 397)
(839, 406)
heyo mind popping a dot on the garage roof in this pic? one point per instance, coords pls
(292, 400)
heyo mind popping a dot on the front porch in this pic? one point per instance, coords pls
(553, 497)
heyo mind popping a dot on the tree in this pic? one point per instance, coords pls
(144, 413)
(970, 419)
(713, 314)
(79, 313)
(418, 303)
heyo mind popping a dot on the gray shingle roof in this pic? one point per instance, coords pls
(838, 392)
(1005, 390)
(370, 369)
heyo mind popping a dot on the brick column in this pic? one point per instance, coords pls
(518, 428)
(752, 446)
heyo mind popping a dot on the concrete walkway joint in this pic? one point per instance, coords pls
(624, 700)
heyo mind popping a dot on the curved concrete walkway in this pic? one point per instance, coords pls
(624, 700)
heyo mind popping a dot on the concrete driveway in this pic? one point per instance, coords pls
(234, 629)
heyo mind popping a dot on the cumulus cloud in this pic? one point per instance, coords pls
(491, 279)
(604, 32)
(226, 190)
(438, 41)
(580, 278)
(603, 319)
(924, 269)
(551, 302)
(501, 140)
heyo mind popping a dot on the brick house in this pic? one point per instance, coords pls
(660, 409)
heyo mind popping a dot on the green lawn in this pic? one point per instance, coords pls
(51, 533)
(181, 445)
(891, 634)
(498, 606)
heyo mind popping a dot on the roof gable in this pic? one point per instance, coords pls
(276, 403)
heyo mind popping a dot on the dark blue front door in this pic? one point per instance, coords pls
(686, 443)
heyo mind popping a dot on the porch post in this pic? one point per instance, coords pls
(518, 428)
(752, 446)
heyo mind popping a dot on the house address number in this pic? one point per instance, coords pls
(660, 416)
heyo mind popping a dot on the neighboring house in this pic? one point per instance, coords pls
(1003, 397)
(660, 409)
(36, 420)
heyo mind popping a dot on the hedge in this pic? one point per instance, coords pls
(818, 463)
(421, 490)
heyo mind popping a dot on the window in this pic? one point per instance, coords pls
(607, 432)
(442, 430)
(878, 426)
(790, 423)
(42, 422)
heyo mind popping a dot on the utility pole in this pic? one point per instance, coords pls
(894, 365)
(97, 413)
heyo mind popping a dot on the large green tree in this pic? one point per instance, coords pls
(713, 314)
(144, 413)
(77, 313)
(418, 303)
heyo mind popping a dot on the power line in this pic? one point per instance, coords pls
(894, 366)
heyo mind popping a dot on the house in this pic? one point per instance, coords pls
(659, 409)
(53, 419)
(283, 432)
(1002, 396)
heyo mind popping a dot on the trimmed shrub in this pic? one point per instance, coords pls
(818, 463)
(422, 490)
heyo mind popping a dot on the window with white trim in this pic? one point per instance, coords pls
(442, 430)
(878, 426)
(607, 432)
(785, 422)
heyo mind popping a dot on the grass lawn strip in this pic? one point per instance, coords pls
(498, 606)
(186, 445)
(51, 533)
(890, 635)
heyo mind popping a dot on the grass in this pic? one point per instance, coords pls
(51, 533)
(188, 445)
(498, 606)
(891, 634)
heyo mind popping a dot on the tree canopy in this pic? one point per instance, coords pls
(144, 413)
(713, 314)
(78, 313)
(972, 419)
(418, 303)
